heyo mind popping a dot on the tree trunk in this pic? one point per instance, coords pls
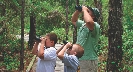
(32, 33)
(67, 28)
(75, 28)
(98, 5)
(75, 34)
(22, 37)
(115, 31)
(3, 11)
(2, 29)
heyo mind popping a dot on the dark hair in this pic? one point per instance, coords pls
(52, 37)
(94, 19)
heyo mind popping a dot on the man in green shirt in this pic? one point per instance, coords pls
(88, 35)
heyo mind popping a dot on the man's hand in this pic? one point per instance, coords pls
(84, 8)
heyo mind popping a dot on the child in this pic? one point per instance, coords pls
(46, 52)
(70, 58)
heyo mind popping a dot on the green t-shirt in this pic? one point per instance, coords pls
(88, 40)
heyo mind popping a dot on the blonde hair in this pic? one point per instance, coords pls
(79, 50)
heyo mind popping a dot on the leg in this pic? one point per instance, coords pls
(88, 65)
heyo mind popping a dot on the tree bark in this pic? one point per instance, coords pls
(115, 31)
(67, 28)
(22, 38)
(3, 11)
(32, 33)
(75, 28)
(98, 5)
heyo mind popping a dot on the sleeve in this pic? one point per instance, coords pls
(79, 23)
(50, 54)
(69, 60)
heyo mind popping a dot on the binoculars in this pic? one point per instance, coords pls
(37, 39)
(78, 7)
(65, 42)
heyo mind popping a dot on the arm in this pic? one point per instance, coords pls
(35, 48)
(61, 53)
(75, 17)
(59, 49)
(41, 50)
(87, 18)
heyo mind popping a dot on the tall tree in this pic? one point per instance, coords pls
(98, 5)
(66, 27)
(3, 11)
(75, 28)
(32, 32)
(115, 31)
(22, 37)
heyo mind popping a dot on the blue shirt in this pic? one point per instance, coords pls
(71, 63)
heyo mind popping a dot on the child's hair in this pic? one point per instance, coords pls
(80, 51)
(52, 37)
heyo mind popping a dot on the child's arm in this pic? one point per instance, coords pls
(35, 48)
(41, 50)
(61, 53)
(59, 49)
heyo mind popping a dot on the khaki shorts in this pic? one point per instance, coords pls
(88, 65)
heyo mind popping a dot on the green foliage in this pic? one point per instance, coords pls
(9, 51)
(127, 36)
(127, 50)
(10, 62)
(51, 17)
(61, 34)
(102, 52)
(103, 45)
(128, 14)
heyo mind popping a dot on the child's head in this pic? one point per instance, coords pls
(51, 39)
(76, 50)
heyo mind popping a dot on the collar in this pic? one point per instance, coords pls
(48, 47)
